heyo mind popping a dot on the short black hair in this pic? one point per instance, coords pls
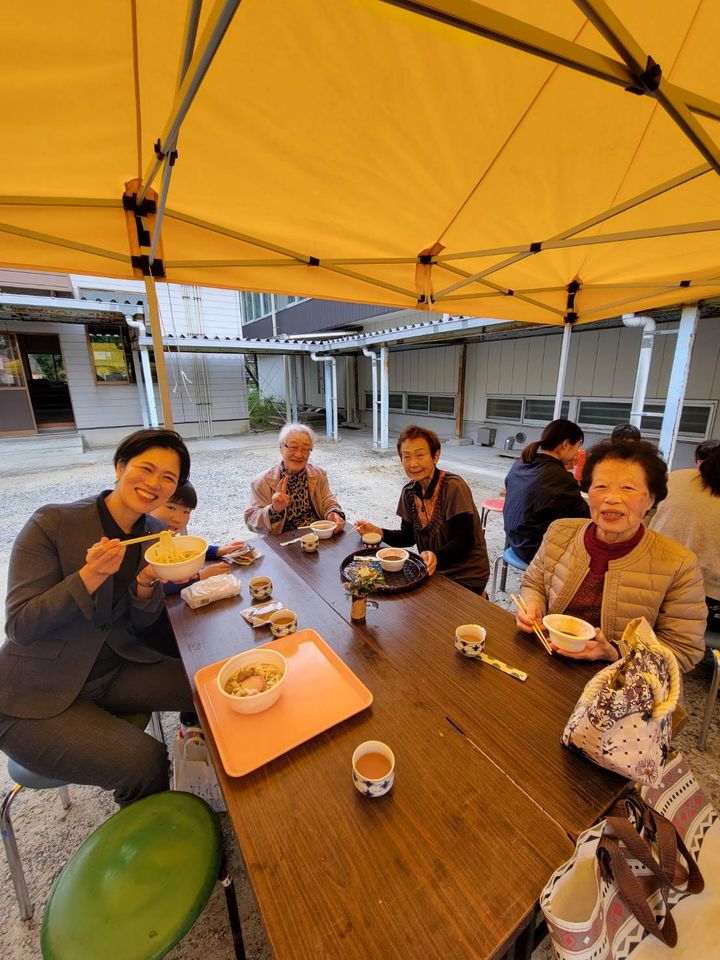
(625, 431)
(639, 451)
(704, 449)
(142, 440)
(185, 495)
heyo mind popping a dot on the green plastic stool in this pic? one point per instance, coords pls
(138, 883)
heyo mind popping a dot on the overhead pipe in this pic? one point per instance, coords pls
(647, 325)
(139, 325)
(374, 357)
(331, 407)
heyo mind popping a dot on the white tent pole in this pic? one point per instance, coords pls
(154, 309)
(562, 369)
(678, 381)
(335, 399)
(384, 398)
(647, 324)
(328, 399)
(145, 382)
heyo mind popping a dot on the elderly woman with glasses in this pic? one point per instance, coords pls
(293, 493)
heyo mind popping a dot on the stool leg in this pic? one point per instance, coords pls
(156, 727)
(712, 696)
(493, 589)
(64, 797)
(503, 577)
(13, 855)
(232, 908)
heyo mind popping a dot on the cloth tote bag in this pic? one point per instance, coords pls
(623, 719)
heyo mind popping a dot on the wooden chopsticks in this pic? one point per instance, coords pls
(150, 536)
(520, 604)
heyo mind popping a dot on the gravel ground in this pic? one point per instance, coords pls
(367, 484)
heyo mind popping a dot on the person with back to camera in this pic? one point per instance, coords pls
(294, 492)
(691, 515)
(438, 514)
(623, 431)
(611, 569)
(539, 488)
(73, 662)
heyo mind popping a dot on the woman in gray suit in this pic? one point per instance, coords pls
(72, 662)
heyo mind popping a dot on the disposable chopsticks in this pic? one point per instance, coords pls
(520, 604)
(150, 536)
(499, 665)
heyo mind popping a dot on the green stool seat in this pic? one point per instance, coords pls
(137, 884)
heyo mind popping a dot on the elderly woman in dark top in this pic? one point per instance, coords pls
(610, 569)
(294, 492)
(437, 513)
(74, 662)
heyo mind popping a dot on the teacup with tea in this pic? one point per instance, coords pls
(309, 542)
(260, 587)
(283, 622)
(373, 768)
(470, 639)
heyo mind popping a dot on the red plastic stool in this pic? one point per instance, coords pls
(488, 507)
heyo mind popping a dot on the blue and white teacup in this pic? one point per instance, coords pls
(373, 768)
(283, 622)
(260, 587)
(470, 639)
(309, 542)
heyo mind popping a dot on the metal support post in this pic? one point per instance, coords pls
(384, 398)
(562, 369)
(328, 401)
(678, 381)
(647, 324)
(373, 356)
(154, 308)
(288, 406)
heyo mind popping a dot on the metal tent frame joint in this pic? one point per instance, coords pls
(648, 80)
(142, 263)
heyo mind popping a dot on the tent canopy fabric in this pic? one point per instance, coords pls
(478, 160)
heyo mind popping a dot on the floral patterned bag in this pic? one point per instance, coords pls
(622, 720)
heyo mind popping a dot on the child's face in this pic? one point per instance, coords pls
(175, 515)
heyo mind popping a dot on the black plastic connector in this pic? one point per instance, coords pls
(313, 262)
(535, 247)
(685, 283)
(143, 263)
(648, 81)
(147, 207)
(425, 258)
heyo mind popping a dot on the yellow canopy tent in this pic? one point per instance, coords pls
(517, 160)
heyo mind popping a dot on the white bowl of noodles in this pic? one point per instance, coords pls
(177, 558)
(253, 680)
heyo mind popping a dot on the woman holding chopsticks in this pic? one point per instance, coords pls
(72, 663)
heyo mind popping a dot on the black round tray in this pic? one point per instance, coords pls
(413, 573)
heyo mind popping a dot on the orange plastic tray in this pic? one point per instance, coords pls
(320, 691)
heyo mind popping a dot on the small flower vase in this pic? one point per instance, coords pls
(358, 609)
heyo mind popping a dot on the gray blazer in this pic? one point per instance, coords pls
(55, 629)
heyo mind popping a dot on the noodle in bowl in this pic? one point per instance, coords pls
(176, 558)
(240, 676)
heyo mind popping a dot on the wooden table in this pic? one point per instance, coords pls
(451, 862)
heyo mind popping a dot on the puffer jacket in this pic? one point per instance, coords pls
(659, 580)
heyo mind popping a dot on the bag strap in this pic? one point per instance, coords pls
(613, 864)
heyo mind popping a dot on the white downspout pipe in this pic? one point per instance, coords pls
(331, 409)
(373, 356)
(139, 325)
(384, 397)
(647, 325)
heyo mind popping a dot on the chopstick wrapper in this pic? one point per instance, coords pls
(207, 591)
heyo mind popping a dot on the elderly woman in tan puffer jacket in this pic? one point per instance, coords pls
(610, 569)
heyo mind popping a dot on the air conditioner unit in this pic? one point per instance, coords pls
(486, 436)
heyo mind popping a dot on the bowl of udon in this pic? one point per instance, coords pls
(176, 558)
(253, 680)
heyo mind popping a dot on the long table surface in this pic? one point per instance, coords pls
(451, 862)
(517, 725)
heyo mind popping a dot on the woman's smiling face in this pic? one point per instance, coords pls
(418, 463)
(619, 499)
(147, 481)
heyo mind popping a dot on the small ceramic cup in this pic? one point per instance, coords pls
(260, 587)
(283, 622)
(373, 768)
(309, 542)
(470, 639)
(371, 539)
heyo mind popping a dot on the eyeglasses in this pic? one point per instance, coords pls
(303, 451)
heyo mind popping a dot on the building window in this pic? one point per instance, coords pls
(504, 408)
(110, 353)
(256, 306)
(395, 401)
(11, 369)
(541, 411)
(695, 419)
